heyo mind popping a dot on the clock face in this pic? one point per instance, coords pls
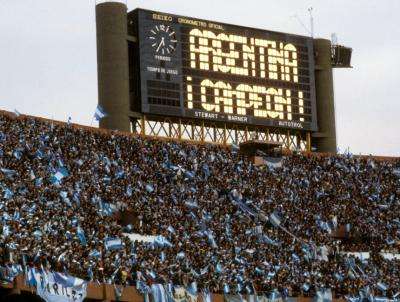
(163, 39)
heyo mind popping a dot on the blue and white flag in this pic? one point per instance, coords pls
(17, 154)
(275, 296)
(211, 239)
(158, 293)
(118, 292)
(235, 298)
(323, 295)
(107, 209)
(129, 191)
(57, 287)
(8, 173)
(8, 193)
(205, 296)
(305, 287)
(113, 244)
(149, 188)
(353, 299)
(30, 276)
(171, 229)
(382, 286)
(94, 253)
(99, 113)
(365, 294)
(226, 289)
(81, 236)
(191, 204)
(67, 280)
(338, 277)
(206, 171)
(162, 256)
(218, 268)
(273, 163)
(9, 272)
(191, 292)
(38, 234)
(180, 255)
(246, 209)
(161, 241)
(274, 219)
(322, 253)
(59, 175)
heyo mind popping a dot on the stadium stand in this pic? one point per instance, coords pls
(199, 216)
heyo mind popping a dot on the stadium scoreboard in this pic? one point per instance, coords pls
(200, 69)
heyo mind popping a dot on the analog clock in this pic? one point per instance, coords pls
(163, 39)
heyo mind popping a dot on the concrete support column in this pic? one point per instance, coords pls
(325, 139)
(112, 64)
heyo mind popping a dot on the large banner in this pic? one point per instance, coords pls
(57, 287)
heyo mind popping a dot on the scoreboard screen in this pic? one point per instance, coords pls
(206, 70)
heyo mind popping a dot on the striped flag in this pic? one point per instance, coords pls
(382, 286)
(81, 236)
(59, 175)
(113, 244)
(67, 280)
(273, 163)
(324, 295)
(99, 113)
(8, 173)
(158, 293)
(274, 219)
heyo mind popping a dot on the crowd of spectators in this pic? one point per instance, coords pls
(219, 220)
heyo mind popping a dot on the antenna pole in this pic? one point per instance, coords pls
(310, 10)
(301, 23)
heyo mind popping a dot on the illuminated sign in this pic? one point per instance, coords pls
(205, 70)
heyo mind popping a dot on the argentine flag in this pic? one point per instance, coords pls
(59, 175)
(158, 293)
(274, 219)
(99, 113)
(81, 236)
(67, 280)
(113, 244)
(324, 295)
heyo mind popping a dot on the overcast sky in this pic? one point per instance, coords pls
(48, 57)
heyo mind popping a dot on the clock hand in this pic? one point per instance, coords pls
(162, 42)
(159, 45)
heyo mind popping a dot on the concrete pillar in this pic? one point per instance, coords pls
(325, 139)
(112, 64)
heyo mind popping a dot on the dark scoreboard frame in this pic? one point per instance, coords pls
(159, 86)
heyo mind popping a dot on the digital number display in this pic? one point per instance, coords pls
(212, 71)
